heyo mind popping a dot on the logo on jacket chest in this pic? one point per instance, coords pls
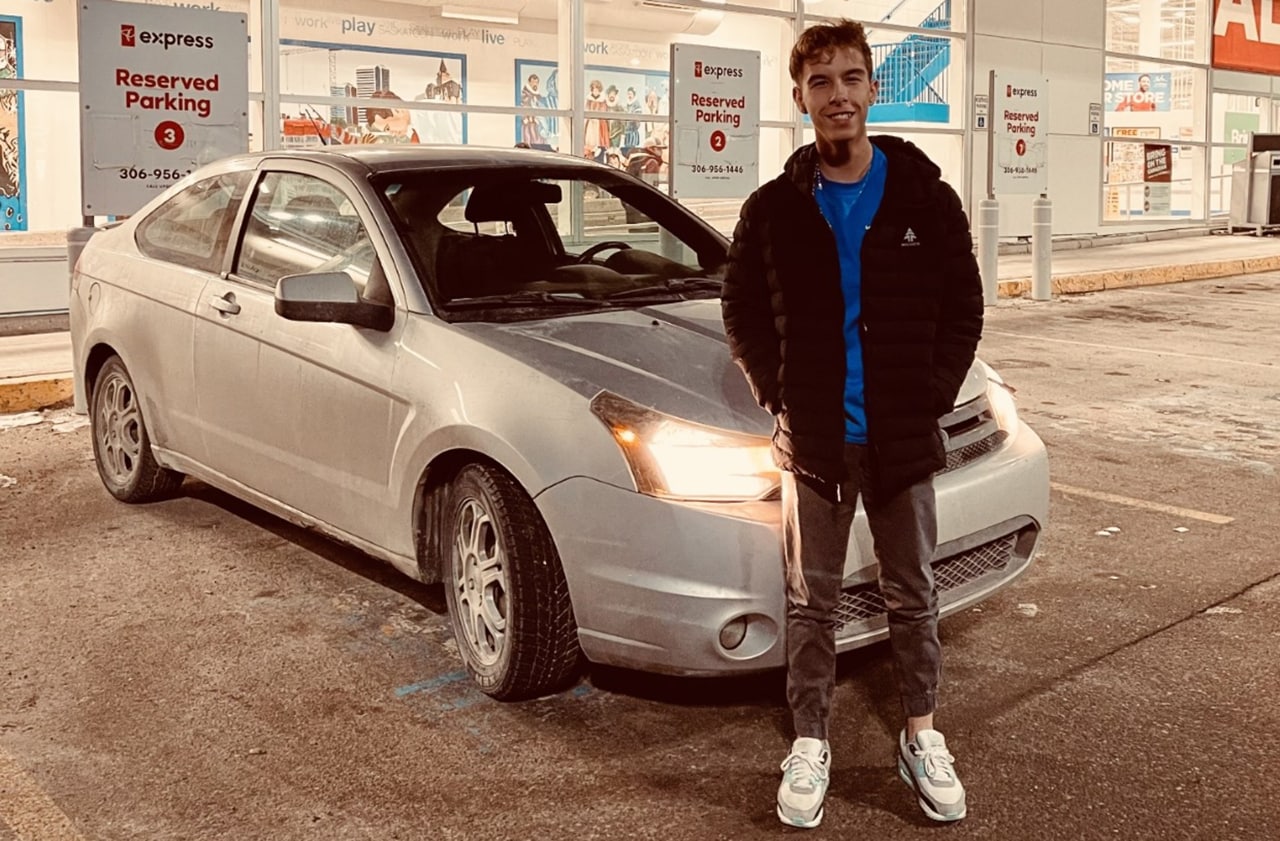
(910, 240)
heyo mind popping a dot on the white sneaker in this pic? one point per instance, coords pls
(804, 783)
(925, 764)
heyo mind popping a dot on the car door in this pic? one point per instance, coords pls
(181, 247)
(302, 412)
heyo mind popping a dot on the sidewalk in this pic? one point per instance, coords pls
(35, 370)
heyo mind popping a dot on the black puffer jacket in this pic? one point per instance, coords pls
(921, 317)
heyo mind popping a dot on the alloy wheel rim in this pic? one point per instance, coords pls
(480, 583)
(119, 430)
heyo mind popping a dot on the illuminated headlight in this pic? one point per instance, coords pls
(675, 458)
(1003, 406)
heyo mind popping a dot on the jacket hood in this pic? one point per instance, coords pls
(902, 155)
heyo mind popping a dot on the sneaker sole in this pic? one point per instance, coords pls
(802, 824)
(925, 806)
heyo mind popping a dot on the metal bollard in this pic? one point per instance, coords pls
(1042, 248)
(989, 250)
(76, 240)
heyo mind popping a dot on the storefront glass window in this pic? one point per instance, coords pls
(1178, 30)
(926, 14)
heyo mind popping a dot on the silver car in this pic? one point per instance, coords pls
(505, 371)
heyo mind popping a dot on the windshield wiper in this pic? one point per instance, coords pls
(674, 286)
(528, 297)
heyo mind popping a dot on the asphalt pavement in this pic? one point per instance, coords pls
(195, 669)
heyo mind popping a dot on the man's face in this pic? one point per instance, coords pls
(613, 97)
(533, 83)
(837, 94)
(1144, 83)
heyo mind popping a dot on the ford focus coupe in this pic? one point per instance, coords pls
(505, 371)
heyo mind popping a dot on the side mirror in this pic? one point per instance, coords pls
(329, 297)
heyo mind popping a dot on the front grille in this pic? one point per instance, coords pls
(863, 602)
(970, 432)
(975, 451)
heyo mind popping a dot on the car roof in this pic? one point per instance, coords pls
(362, 160)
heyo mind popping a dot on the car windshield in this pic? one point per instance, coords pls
(507, 243)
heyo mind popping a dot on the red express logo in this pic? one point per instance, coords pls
(710, 70)
(130, 36)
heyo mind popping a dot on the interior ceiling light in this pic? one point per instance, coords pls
(479, 15)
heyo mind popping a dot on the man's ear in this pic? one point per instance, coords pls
(875, 91)
(799, 100)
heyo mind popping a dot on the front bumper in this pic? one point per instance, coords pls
(653, 582)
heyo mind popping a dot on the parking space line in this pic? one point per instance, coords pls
(1103, 496)
(27, 810)
(1270, 366)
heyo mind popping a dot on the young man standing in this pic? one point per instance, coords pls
(853, 304)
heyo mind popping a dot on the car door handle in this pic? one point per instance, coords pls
(225, 304)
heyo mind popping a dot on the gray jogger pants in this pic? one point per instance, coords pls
(816, 538)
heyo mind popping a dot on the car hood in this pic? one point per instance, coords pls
(673, 358)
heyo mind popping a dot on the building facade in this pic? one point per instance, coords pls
(590, 77)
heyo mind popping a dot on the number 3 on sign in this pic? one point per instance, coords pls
(169, 135)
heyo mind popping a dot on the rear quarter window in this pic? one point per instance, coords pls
(192, 228)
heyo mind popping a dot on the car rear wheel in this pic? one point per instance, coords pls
(121, 445)
(508, 599)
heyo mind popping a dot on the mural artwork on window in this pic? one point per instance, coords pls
(395, 76)
(626, 123)
(13, 205)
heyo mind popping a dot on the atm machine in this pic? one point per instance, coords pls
(1255, 186)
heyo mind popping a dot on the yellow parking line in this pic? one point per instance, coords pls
(1188, 513)
(27, 810)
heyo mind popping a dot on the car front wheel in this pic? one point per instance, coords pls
(508, 599)
(121, 446)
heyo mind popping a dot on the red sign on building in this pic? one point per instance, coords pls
(1246, 35)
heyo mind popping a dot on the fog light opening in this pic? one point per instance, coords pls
(733, 633)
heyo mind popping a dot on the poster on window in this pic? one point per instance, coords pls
(1124, 169)
(1157, 179)
(1237, 128)
(626, 113)
(13, 203)
(163, 90)
(395, 77)
(1138, 91)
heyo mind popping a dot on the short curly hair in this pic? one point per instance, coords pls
(819, 43)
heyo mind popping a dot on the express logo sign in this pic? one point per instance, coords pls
(701, 70)
(1011, 91)
(130, 37)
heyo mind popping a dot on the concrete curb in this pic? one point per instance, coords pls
(30, 394)
(1069, 284)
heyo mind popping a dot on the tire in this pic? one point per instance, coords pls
(508, 599)
(121, 445)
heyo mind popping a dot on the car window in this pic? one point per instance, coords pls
(479, 234)
(300, 224)
(192, 228)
